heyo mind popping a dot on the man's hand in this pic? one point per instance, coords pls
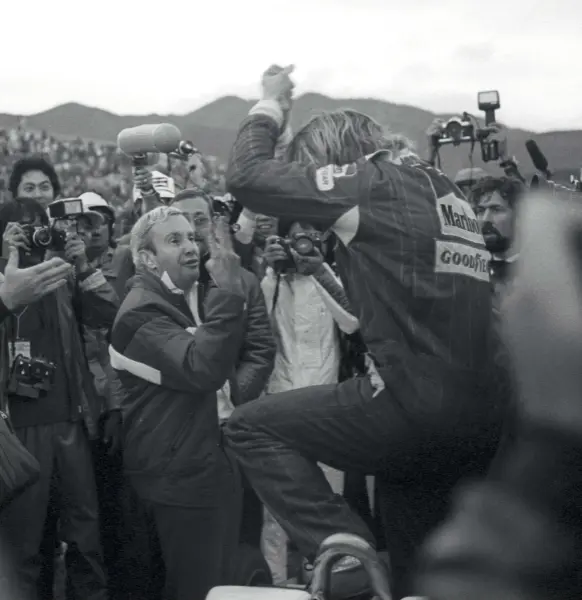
(14, 235)
(308, 265)
(274, 253)
(112, 423)
(435, 128)
(499, 133)
(142, 178)
(277, 85)
(24, 286)
(224, 264)
(76, 253)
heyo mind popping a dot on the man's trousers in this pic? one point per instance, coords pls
(350, 427)
(67, 481)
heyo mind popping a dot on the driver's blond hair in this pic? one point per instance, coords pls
(341, 137)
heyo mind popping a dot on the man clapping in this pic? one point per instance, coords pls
(170, 370)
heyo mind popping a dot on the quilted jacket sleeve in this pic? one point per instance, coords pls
(258, 350)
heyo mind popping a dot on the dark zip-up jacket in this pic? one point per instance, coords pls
(87, 301)
(169, 371)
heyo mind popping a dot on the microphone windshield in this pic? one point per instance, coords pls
(162, 137)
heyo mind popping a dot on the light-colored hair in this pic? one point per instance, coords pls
(140, 238)
(341, 137)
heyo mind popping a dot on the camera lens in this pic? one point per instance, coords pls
(454, 129)
(41, 237)
(303, 246)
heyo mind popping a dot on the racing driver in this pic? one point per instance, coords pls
(414, 264)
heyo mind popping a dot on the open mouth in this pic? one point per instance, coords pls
(192, 263)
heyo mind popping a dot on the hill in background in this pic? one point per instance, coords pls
(213, 127)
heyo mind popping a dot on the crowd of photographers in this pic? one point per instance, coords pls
(124, 356)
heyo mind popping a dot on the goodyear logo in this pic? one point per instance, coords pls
(458, 259)
(457, 219)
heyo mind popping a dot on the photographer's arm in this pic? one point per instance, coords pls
(96, 299)
(5, 312)
(336, 300)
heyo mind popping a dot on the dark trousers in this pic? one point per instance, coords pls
(141, 566)
(109, 482)
(279, 440)
(192, 543)
(109, 479)
(183, 551)
(252, 516)
(67, 482)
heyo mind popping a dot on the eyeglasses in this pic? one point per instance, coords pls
(198, 219)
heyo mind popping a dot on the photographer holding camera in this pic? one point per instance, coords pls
(309, 312)
(52, 401)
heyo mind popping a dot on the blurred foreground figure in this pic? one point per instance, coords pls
(518, 535)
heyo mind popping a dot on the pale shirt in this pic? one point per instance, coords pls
(223, 395)
(308, 343)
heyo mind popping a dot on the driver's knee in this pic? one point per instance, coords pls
(244, 423)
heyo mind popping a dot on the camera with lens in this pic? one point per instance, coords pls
(465, 129)
(456, 131)
(54, 236)
(184, 150)
(304, 243)
(30, 377)
(227, 207)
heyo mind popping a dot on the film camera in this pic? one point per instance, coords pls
(30, 377)
(54, 236)
(466, 129)
(304, 243)
(226, 206)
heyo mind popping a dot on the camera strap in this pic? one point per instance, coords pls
(17, 345)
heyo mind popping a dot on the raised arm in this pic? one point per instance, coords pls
(264, 183)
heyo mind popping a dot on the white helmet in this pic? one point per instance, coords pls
(92, 201)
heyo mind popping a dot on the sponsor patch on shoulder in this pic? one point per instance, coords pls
(458, 220)
(458, 259)
(324, 178)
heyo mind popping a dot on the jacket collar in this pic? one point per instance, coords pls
(152, 282)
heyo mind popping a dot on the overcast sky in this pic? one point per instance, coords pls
(136, 57)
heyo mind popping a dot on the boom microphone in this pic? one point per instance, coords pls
(163, 138)
(537, 157)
